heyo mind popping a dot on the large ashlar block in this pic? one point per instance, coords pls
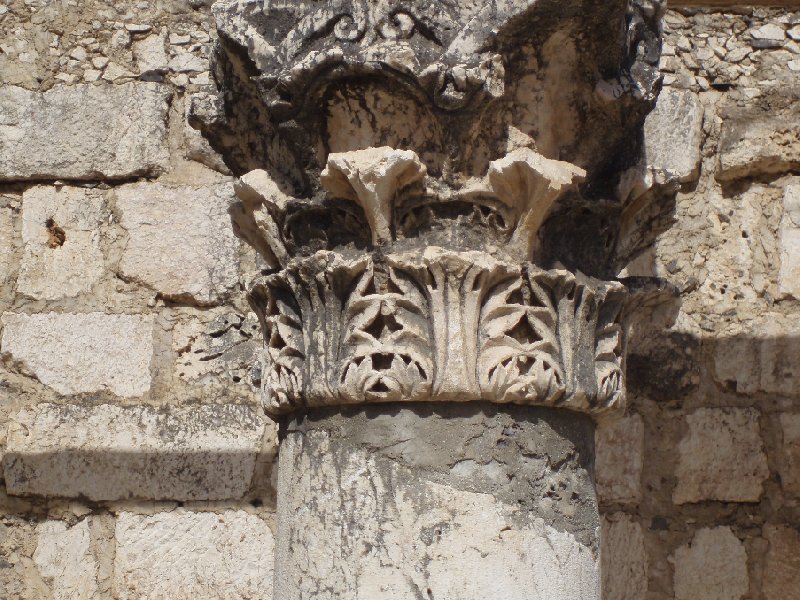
(721, 457)
(624, 559)
(181, 242)
(181, 555)
(110, 452)
(782, 568)
(84, 131)
(61, 242)
(789, 275)
(80, 353)
(65, 560)
(619, 444)
(713, 566)
(790, 464)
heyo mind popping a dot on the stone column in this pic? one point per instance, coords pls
(434, 193)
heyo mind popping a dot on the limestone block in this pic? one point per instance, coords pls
(151, 55)
(181, 242)
(721, 457)
(79, 353)
(181, 555)
(109, 452)
(7, 238)
(61, 230)
(712, 567)
(64, 559)
(790, 463)
(83, 131)
(789, 276)
(782, 568)
(780, 357)
(624, 559)
(618, 461)
(736, 360)
(673, 133)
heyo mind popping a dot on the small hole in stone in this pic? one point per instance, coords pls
(56, 235)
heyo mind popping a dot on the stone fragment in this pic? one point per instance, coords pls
(769, 35)
(64, 559)
(721, 457)
(789, 275)
(151, 54)
(181, 242)
(186, 62)
(624, 559)
(790, 464)
(109, 452)
(181, 555)
(61, 228)
(83, 131)
(782, 568)
(712, 567)
(79, 353)
(619, 444)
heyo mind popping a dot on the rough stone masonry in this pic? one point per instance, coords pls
(137, 459)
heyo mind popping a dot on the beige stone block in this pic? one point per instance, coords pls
(790, 464)
(782, 567)
(7, 238)
(61, 230)
(713, 566)
(623, 558)
(83, 131)
(181, 241)
(65, 561)
(79, 353)
(619, 444)
(789, 275)
(721, 457)
(109, 452)
(181, 555)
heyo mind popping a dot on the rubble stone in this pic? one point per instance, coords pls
(78, 353)
(110, 453)
(83, 132)
(618, 461)
(721, 457)
(712, 567)
(180, 555)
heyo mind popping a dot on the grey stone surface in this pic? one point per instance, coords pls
(110, 453)
(83, 132)
(466, 501)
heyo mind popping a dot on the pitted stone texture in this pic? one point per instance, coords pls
(419, 502)
(79, 353)
(790, 459)
(64, 559)
(181, 555)
(721, 457)
(83, 131)
(619, 444)
(712, 567)
(789, 276)
(624, 559)
(110, 453)
(181, 242)
(782, 568)
(61, 228)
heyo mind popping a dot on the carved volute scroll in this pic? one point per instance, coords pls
(399, 163)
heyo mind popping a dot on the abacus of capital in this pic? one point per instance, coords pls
(434, 193)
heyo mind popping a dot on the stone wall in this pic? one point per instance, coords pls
(136, 460)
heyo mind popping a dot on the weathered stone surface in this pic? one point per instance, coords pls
(619, 444)
(712, 567)
(151, 55)
(77, 353)
(782, 567)
(721, 457)
(789, 276)
(420, 501)
(624, 559)
(83, 131)
(108, 452)
(780, 356)
(181, 242)
(61, 228)
(64, 559)
(790, 459)
(8, 240)
(181, 555)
